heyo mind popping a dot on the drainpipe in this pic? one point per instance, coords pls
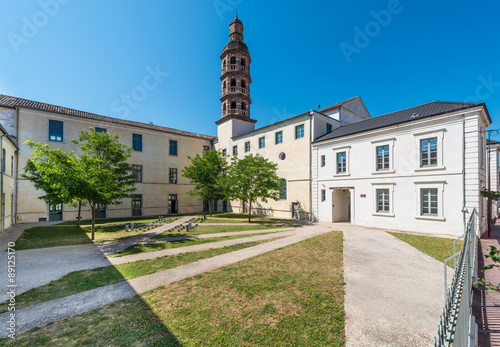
(17, 163)
(1, 185)
(310, 166)
(463, 172)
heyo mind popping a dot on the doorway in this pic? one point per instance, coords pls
(341, 205)
(295, 210)
(100, 211)
(55, 212)
(172, 203)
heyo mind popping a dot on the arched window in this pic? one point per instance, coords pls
(224, 85)
(224, 63)
(243, 106)
(224, 107)
(243, 84)
(243, 62)
(283, 189)
(233, 105)
(233, 60)
(233, 83)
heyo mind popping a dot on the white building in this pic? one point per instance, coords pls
(416, 169)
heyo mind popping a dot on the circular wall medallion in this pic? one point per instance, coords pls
(282, 156)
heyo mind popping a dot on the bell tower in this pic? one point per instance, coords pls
(235, 81)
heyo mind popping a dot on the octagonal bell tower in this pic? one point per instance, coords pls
(235, 82)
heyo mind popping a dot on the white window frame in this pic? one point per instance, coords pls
(323, 195)
(379, 143)
(347, 150)
(439, 134)
(439, 185)
(383, 185)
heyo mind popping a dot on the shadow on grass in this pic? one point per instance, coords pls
(128, 321)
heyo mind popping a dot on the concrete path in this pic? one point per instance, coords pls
(229, 233)
(47, 312)
(394, 293)
(36, 267)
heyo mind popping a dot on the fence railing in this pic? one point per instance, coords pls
(456, 321)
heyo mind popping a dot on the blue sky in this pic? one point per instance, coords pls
(90, 54)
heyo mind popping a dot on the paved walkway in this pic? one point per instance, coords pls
(488, 304)
(394, 293)
(47, 312)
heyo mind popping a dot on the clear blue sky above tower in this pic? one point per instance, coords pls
(393, 54)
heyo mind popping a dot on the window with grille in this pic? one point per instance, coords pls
(428, 152)
(173, 147)
(137, 173)
(172, 176)
(429, 202)
(55, 131)
(137, 142)
(383, 200)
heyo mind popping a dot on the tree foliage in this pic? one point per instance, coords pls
(253, 178)
(208, 173)
(100, 175)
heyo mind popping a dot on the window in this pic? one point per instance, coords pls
(100, 130)
(205, 149)
(245, 207)
(429, 202)
(172, 203)
(383, 200)
(428, 152)
(262, 142)
(224, 152)
(233, 60)
(173, 147)
(137, 173)
(383, 158)
(136, 205)
(323, 195)
(243, 62)
(282, 156)
(247, 146)
(299, 131)
(55, 131)
(283, 189)
(243, 106)
(243, 84)
(279, 137)
(214, 206)
(233, 106)
(172, 176)
(328, 128)
(235, 150)
(323, 161)
(12, 166)
(233, 83)
(341, 162)
(137, 142)
(4, 157)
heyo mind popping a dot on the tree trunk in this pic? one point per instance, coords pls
(79, 214)
(249, 211)
(210, 207)
(93, 222)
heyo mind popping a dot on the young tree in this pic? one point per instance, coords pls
(208, 173)
(253, 178)
(107, 175)
(56, 173)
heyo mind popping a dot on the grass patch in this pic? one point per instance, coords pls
(118, 221)
(211, 229)
(53, 236)
(437, 247)
(245, 216)
(83, 280)
(293, 296)
(159, 246)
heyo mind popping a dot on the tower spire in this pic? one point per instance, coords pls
(235, 77)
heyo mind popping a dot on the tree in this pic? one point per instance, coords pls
(107, 175)
(208, 173)
(56, 173)
(253, 178)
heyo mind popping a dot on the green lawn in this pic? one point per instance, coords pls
(437, 247)
(159, 246)
(210, 229)
(293, 296)
(245, 216)
(81, 281)
(52, 236)
(127, 220)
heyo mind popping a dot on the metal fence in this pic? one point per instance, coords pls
(456, 321)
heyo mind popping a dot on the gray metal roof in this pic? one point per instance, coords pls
(411, 114)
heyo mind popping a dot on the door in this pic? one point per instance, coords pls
(172, 203)
(214, 206)
(136, 205)
(295, 210)
(341, 205)
(100, 211)
(205, 206)
(55, 212)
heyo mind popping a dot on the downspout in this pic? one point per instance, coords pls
(1, 184)
(463, 172)
(310, 166)
(17, 163)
